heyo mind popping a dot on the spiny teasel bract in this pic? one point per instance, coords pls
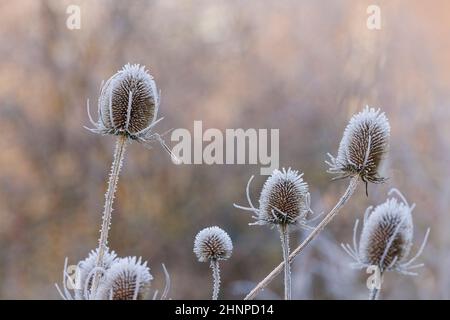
(212, 243)
(386, 238)
(284, 199)
(363, 146)
(84, 272)
(126, 279)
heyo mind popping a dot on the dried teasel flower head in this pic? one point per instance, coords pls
(386, 237)
(212, 243)
(128, 105)
(363, 146)
(127, 279)
(284, 199)
(84, 272)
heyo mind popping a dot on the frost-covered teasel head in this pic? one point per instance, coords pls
(127, 279)
(84, 273)
(284, 199)
(386, 237)
(212, 243)
(128, 105)
(363, 146)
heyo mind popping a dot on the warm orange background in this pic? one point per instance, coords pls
(302, 66)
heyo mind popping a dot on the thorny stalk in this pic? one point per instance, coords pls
(284, 234)
(216, 278)
(119, 154)
(342, 201)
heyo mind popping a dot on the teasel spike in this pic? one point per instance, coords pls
(127, 279)
(364, 144)
(284, 202)
(213, 244)
(386, 238)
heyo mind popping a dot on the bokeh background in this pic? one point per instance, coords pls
(302, 66)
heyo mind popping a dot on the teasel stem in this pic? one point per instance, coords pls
(284, 235)
(119, 154)
(216, 278)
(375, 292)
(342, 201)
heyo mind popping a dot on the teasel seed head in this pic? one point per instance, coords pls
(386, 237)
(128, 106)
(363, 147)
(212, 243)
(284, 198)
(126, 279)
(84, 272)
(128, 101)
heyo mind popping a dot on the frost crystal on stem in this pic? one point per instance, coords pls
(119, 154)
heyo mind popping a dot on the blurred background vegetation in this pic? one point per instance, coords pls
(302, 66)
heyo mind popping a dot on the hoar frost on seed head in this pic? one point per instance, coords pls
(212, 243)
(127, 279)
(284, 199)
(121, 279)
(128, 105)
(386, 237)
(82, 281)
(363, 147)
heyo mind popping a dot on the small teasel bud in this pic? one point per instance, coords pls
(363, 146)
(386, 237)
(127, 279)
(212, 243)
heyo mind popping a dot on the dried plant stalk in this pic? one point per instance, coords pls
(119, 154)
(216, 278)
(342, 201)
(287, 266)
(374, 294)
